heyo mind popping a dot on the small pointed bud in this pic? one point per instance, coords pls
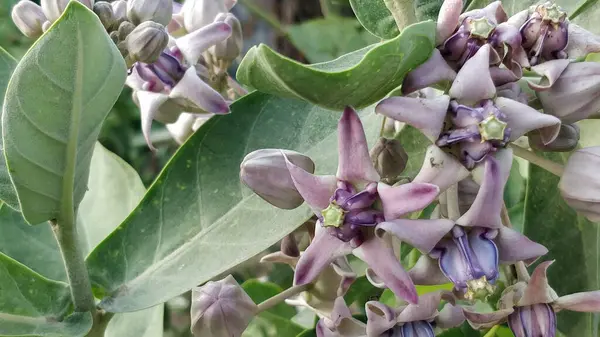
(266, 173)
(231, 48)
(105, 12)
(147, 42)
(221, 309)
(389, 158)
(119, 8)
(29, 18)
(580, 183)
(566, 141)
(159, 11)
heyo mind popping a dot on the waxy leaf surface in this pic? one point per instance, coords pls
(7, 191)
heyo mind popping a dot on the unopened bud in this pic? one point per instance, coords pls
(53, 9)
(580, 182)
(105, 12)
(389, 158)
(289, 246)
(119, 8)
(231, 48)
(266, 173)
(29, 18)
(125, 28)
(147, 42)
(533, 320)
(221, 309)
(159, 11)
(566, 141)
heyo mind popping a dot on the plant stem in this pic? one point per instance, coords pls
(65, 233)
(492, 331)
(521, 270)
(267, 17)
(282, 296)
(533, 158)
(452, 200)
(324, 7)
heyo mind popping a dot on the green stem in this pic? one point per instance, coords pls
(101, 320)
(548, 165)
(453, 203)
(65, 233)
(266, 16)
(282, 296)
(325, 7)
(492, 331)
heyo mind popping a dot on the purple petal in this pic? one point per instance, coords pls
(380, 257)
(322, 251)
(502, 76)
(581, 42)
(403, 199)
(448, 19)
(453, 263)
(556, 41)
(425, 114)
(449, 317)
(474, 152)
(192, 89)
(550, 72)
(362, 199)
(514, 246)
(493, 12)
(454, 136)
(422, 234)
(583, 302)
(465, 116)
(519, 18)
(485, 211)
(316, 190)
(538, 289)
(425, 310)
(486, 253)
(354, 161)
(340, 311)
(479, 320)
(415, 329)
(522, 119)
(380, 318)
(534, 320)
(473, 82)
(427, 272)
(456, 46)
(433, 71)
(197, 42)
(150, 103)
(441, 169)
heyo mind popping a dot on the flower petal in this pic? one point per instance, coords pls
(433, 71)
(550, 72)
(322, 251)
(441, 169)
(493, 12)
(425, 310)
(449, 317)
(280, 257)
(380, 318)
(403, 199)
(473, 82)
(150, 103)
(425, 114)
(522, 119)
(194, 90)
(422, 234)
(378, 253)
(581, 42)
(316, 190)
(588, 301)
(485, 211)
(448, 19)
(355, 164)
(486, 253)
(453, 264)
(519, 18)
(427, 272)
(514, 246)
(538, 289)
(192, 45)
(486, 320)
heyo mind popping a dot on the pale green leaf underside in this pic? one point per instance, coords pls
(75, 325)
(357, 79)
(197, 220)
(7, 191)
(57, 99)
(143, 323)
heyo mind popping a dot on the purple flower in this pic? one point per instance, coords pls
(469, 249)
(344, 205)
(340, 323)
(579, 184)
(530, 306)
(481, 123)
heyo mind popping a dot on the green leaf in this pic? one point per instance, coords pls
(32, 305)
(308, 333)
(572, 240)
(415, 144)
(270, 325)
(7, 191)
(358, 79)
(143, 323)
(197, 220)
(262, 291)
(326, 39)
(56, 101)
(362, 291)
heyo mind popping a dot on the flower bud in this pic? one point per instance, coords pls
(105, 12)
(125, 28)
(533, 320)
(147, 42)
(29, 18)
(231, 48)
(221, 309)
(53, 9)
(580, 183)
(566, 141)
(266, 173)
(159, 11)
(200, 13)
(119, 8)
(389, 158)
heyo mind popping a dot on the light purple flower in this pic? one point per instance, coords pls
(344, 205)
(530, 306)
(340, 323)
(579, 184)
(481, 122)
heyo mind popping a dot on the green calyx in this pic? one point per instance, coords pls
(492, 128)
(479, 289)
(333, 215)
(553, 13)
(481, 28)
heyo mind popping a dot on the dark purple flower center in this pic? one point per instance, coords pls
(533, 320)
(475, 131)
(163, 74)
(545, 34)
(350, 210)
(411, 329)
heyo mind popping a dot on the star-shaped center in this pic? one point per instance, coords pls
(479, 289)
(553, 13)
(492, 128)
(481, 28)
(333, 215)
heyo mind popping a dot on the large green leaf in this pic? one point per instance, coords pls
(358, 79)
(7, 191)
(572, 240)
(56, 101)
(325, 39)
(31, 305)
(143, 323)
(197, 220)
